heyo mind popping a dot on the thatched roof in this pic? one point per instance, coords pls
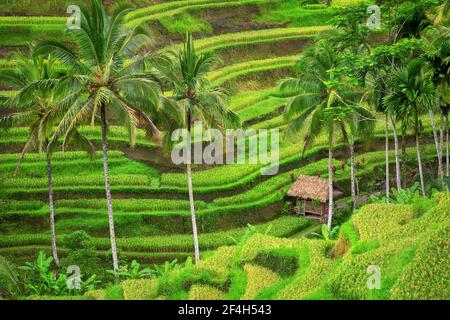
(311, 188)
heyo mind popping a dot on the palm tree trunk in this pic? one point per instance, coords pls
(51, 204)
(404, 158)
(191, 193)
(441, 139)
(387, 156)
(397, 159)
(112, 233)
(436, 142)
(446, 145)
(352, 170)
(419, 160)
(330, 179)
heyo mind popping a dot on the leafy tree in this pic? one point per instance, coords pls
(100, 82)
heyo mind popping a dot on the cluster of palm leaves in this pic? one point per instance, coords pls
(108, 78)
(322, 98)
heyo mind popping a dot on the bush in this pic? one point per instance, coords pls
(77, 240)
(86, 259)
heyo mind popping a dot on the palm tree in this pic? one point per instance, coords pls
(380, 91)
(186, 71)
(318, 97)
(412, 93)
(34, 78)
(100, 82)
(437, 51)
(361, 124)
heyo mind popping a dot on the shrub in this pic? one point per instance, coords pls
(77, 240)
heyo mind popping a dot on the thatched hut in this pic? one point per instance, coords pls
(311, 196)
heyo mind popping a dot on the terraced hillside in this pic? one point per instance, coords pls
(259, 43)
(395, 239)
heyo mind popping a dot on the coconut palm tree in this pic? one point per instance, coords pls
(361, 124)
(380, 91)
(412, 93)
(437, 52)
(186, 72)
(319, 99)
(102, 82)
(36, 102)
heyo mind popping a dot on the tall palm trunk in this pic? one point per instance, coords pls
(51, 204)
(191, 193)
(436, 143)
(112, 233)
(404, 158)
(387, 156)
(419, 160)
(397, 158)
(352, 170)
(330, 179)
(441, 139)
(446, 145)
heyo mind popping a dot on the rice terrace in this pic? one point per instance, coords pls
(224, 150)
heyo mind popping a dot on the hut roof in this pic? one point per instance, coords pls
(311, 188)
